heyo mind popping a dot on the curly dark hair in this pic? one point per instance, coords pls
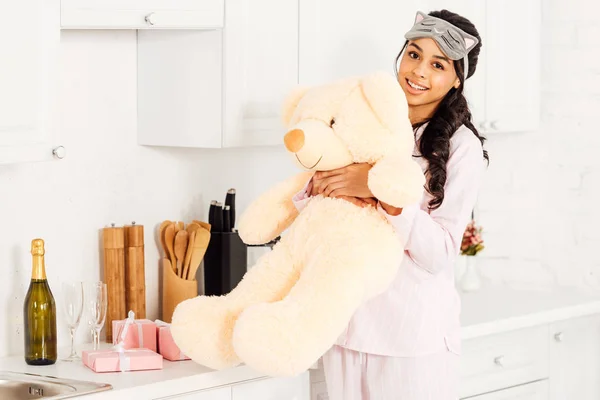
(452, 112)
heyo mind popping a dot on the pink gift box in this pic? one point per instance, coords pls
(141, 334)
(166, 345)
(110, 360)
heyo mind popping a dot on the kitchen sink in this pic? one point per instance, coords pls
(21, 386)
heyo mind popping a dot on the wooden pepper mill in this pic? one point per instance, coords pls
(135, 277)
(114, 275)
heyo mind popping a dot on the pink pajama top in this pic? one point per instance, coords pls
(420, 312)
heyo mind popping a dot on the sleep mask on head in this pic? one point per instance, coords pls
(454, 42)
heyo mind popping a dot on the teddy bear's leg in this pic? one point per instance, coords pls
(202, 327)
(288, 336)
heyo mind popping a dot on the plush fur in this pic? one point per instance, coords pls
(292, 305)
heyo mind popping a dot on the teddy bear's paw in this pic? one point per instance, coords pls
(269, 340)
(202, 328)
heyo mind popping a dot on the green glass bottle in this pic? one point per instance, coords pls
(39, 312)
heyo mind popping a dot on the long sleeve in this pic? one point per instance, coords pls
(301, 198)
(433, 238)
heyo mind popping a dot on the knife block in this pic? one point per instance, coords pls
(175, 290)
(225, 263)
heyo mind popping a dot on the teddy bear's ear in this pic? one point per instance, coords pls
(290, 103)
(387, 100)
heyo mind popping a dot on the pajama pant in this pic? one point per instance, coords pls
(351, 375)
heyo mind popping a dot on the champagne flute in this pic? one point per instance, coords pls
(72, 293)
(97, 306)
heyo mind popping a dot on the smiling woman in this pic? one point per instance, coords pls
(404, 344)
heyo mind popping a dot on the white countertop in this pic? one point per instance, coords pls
(489, 311)
(496, 309)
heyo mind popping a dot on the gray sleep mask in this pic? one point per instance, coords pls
(454, 42)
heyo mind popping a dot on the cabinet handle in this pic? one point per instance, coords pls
(559, 337)
(59, 152)
(483, 126)
(494, 125)
(498, 361)
(150, 19)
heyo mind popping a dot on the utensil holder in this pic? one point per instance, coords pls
(225, 263)
(175, 290)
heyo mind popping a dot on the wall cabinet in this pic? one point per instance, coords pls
(142, 14)
(30, 37)
(504, 93)
(221, 88)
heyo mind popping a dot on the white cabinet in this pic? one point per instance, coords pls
(504, 92)
(220, 88)
(286, 388)
(260, 61)
(29, 39)
(341, 38)
(142, 14)
(575, 359)
(223, 393)
(530, 391)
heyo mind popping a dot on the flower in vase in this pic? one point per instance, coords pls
(472, 242)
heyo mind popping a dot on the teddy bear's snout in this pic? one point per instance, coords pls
(294, 140)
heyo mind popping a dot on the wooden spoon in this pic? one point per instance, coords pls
(181, 244)
(192, 227)
(203, 224)
(188, 253)
(161, 236)
(200, 244)
(169, 241)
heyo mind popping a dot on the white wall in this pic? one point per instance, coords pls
(537, 206)
(106, 177)
(540, 203)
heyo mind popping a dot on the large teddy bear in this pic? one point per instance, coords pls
(291, 306)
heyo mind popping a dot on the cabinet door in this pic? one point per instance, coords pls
(261, 67)
(142, 14)
(531, 391)
(575, 359)
(215, 394)
(292, 388)
(475, 86)
(343, 38)
(29, 39)
(513, 65)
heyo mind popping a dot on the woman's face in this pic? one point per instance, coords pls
(426, 74)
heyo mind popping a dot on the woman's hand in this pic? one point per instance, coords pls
(349, 181)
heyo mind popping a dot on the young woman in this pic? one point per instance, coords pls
(404, 344)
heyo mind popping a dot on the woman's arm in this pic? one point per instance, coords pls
(433, 239)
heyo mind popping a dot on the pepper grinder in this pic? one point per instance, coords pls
(135, 277)
(114, 275)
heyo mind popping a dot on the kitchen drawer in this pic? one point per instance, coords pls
(531, 391)
(142, 14)
(499, 361)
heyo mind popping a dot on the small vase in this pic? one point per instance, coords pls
(470, 281)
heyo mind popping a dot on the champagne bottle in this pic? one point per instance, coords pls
(39, 312)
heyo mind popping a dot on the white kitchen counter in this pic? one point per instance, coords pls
(489, 311)
(175, 377)
(496, 310)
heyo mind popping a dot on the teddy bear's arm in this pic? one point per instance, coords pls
(397, 181)
(272, 212)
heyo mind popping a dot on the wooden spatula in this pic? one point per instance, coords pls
(161, 236)
(200, 244)
(203, 224)
(169, 242)
(188, 253)
(181, 244)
